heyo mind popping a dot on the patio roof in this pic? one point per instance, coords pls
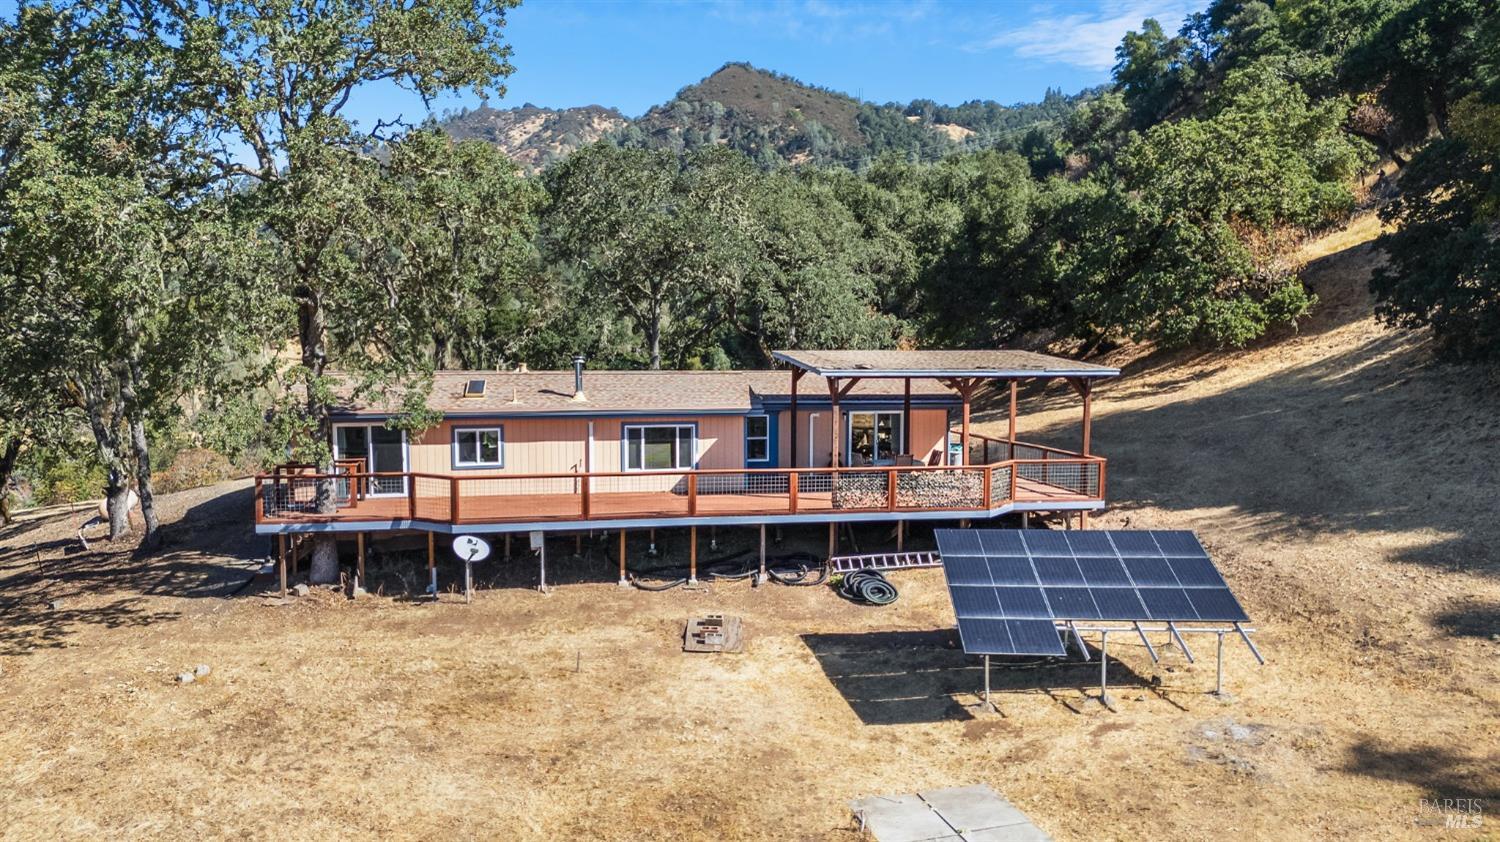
(995, 364)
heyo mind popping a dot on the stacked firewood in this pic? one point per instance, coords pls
(914, 490)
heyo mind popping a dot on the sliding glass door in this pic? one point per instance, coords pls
(384, 451)
(874, 438)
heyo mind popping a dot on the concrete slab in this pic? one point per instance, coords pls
(976, 807)
(955, 814)
(902, 818)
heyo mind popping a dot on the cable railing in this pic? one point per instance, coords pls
(291, 494)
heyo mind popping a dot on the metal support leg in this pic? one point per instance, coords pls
(987, 703)
(1104, 670)
(1146, 640)
(1219, 668)
(468, 582)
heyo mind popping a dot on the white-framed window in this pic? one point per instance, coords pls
(757, 438)
(873, 438)
(659, 447)
(479, 447)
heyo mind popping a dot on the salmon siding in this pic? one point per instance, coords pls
(568, 449)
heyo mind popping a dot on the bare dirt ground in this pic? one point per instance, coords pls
(1346, 486)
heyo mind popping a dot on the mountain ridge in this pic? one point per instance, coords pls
(772, 117)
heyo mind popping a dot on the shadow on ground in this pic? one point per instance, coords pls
(1440, 772)
(48, 588)
(908, 677)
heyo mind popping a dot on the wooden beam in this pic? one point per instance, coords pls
(692, 553)
(1011, 430)
(622, 556)
(359, 543)
(833, 539)
(833, 423)
(281, 561)
(906, 419)
(762, 552)
(965, 393)
(796, 375)
(1088, 416)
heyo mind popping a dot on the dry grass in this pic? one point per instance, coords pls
(1345, 484)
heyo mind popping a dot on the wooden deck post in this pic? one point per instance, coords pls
(762, 554)
(411, 497)
(359, 543)
(432, 562)
(507, 546)
(906, 420)
(622, 558)
(281, 561)
(791, 492)
(1088, 416)
(890, 490)
(796, 375)
(833, 424)
(900, 536)
(833, 539)
(1012, 428)
(453, 500)
(692, 555)
(965, 392)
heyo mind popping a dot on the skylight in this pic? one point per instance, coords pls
(474, 389)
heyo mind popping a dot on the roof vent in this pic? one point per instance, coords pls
(474, 389)
(521, 368)
(578, 378)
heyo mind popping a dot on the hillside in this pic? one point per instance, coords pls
(769, 116)
(1340, 479)
(532, 136)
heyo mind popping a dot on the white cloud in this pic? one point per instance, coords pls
(826, 21)
(1087, 39)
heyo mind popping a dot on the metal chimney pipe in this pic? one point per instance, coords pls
(578, 377)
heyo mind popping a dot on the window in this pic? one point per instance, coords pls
(474, 389)
(874, 437)
(757, 438)
(478, 447)
(658, 447)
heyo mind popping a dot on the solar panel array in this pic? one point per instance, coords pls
(1010, 585)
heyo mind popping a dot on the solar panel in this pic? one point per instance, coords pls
(1009, 586)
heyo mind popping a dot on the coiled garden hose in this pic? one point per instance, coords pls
(868, 586)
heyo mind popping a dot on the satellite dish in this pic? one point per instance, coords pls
(471, 548)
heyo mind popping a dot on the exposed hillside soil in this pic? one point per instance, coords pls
(1345, 484)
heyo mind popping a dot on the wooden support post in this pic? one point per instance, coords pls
(833, 425)
(692, 495)
(833, 539)
(965, 393)
(453, 500)
(791, 492)
(281, 561)
(762, 554)
(890, 490)
(622, 557)
(900, 536)
(432, 564)
(906, 420)
(692, 554)
(796, 375)
(507, 546)
(411, 497)
(1088, 416)
(1083, 520)
(359, 543)
(1011, 434)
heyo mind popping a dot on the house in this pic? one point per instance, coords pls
(836, 436)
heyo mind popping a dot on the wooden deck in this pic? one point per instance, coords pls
(491, 508)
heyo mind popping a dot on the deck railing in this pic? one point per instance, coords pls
(284, 496)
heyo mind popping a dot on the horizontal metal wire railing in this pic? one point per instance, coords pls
(297, 493)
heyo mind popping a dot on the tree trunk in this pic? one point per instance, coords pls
(313, 331)
(117, 503)
(7, 468)
(653, 335)
(141, 449)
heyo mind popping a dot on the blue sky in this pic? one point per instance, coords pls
(632, 55)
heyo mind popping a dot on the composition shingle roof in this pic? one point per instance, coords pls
(511, 392)
(996, 363)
